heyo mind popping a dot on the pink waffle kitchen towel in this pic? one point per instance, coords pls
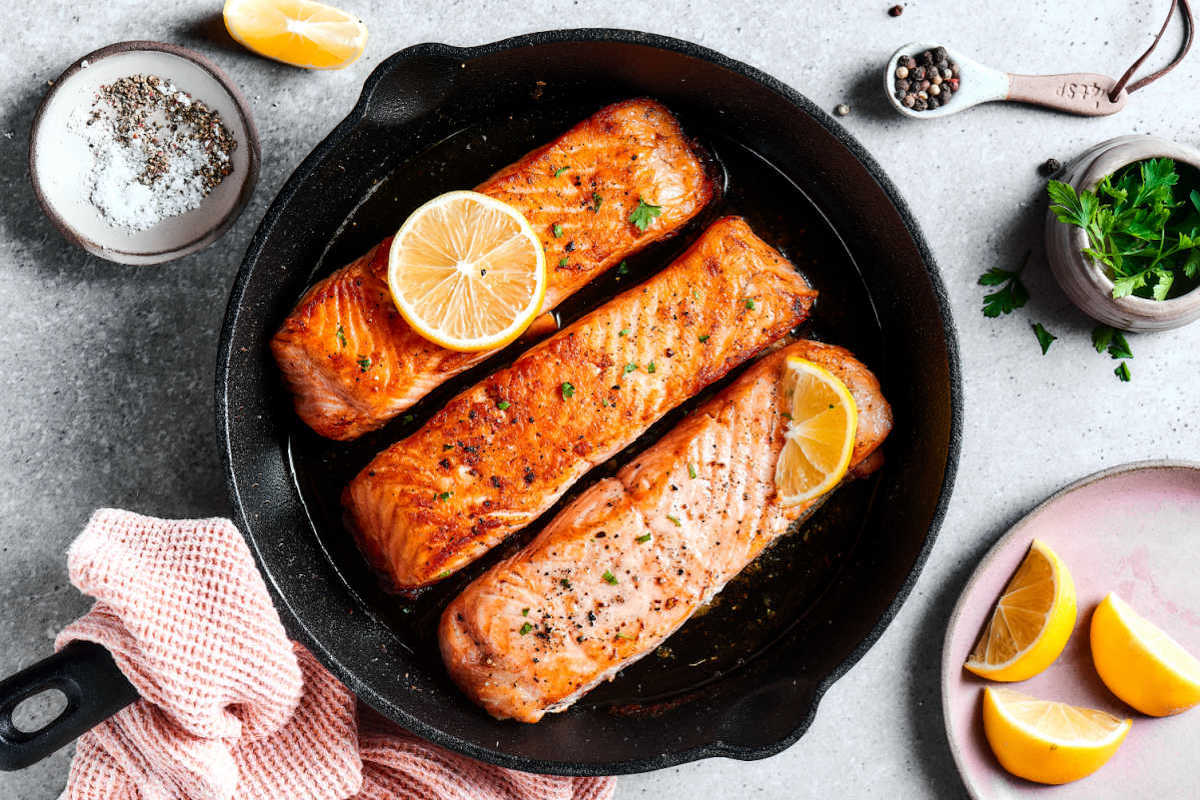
(231, 709)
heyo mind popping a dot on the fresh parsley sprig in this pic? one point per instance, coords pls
(1011, 295)
(1145, 238)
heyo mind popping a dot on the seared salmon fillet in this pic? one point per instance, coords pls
(584, 185)
(502, 452)
(627, 563)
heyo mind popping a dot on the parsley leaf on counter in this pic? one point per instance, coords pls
(1045, 338)
(1011, 295)
(1122, 372)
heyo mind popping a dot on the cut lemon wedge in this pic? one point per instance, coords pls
(1140, 663)
(302, 33)
(1031, 622)
(467, 272)
(820, 434)
(1049, 742)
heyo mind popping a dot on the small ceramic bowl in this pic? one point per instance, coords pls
(58, 156)
(1084, 281)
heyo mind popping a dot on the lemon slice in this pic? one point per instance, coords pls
(302, 33)
(1031, 622)
(819, 438)
(467, 272)
(1140, 663)
(1049, 742)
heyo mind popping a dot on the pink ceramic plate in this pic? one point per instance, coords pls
(1133, 529)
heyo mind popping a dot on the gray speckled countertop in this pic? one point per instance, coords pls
(108, 369)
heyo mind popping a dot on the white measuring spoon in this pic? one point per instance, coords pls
(1083, 93)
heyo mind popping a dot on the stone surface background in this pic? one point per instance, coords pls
(107, 370)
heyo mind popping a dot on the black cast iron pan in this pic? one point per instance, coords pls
(743, 680)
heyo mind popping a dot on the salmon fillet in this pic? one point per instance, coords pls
(502, 452)
(588, 181)
(625, 565)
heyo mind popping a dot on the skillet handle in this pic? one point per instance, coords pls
(86, 673)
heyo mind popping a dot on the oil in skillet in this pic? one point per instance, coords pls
(775, 592)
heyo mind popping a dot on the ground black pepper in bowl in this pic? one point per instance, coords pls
(927, 80)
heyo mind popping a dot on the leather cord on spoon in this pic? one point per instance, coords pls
(1189, 29)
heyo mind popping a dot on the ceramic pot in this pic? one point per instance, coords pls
(1085, 282)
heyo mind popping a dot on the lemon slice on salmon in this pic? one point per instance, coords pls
(302, 33)
(467, 272)
(1031, 621)
(1140, 663)
(820, 431)
(1049, 742)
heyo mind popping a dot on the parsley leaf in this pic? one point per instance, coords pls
(503, 404)
(568, 390)
(1011, 295)
(525, 628)
(645, 537)
(1045, 338)
(630, 368)
(609, 578)
(1102, 336)
(623, 268)
(341, 334)
(623, 332)
(691, 470)
(703, 338)
(556, 229)
(1119, 347)
(1122, 372)
(651, 368)
(644, 214)
(562, 262)
(558, 172)
(364, 363)
(678, 524)
(596, 201)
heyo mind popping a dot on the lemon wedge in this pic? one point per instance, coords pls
(1031, 622)
(1049, 742)
(819, 438)
(302, 33)
(467, 272)
(1140, 663)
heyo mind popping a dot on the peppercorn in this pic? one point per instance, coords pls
(933, 103)
(902, 86)
(927, 58)
(935, 90)
(919, 105)
(895, 11)
(901, 72)
(841, 109)
(1049, 167)
(918, 74)
(910, 62)
(924, 86)
(946, 94)
(936, 80)
(940, 54)
(909, 100)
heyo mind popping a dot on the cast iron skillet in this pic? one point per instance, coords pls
(744, 679)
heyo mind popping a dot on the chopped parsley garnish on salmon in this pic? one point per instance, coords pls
(643, 214)
(558, 172)
(526, 628)
(568, 390)
(557, 231)
(364, 363)
(341, 334)
(609, 578)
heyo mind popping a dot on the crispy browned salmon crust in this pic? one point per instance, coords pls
(628, 562)
(587, 182)
(502, 452)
